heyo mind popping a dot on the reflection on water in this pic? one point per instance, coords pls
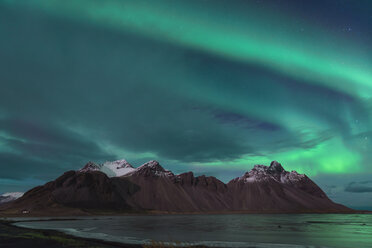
(285, 230)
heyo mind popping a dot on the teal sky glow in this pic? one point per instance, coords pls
(210, 86)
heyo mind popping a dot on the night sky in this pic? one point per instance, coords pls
(209, 86)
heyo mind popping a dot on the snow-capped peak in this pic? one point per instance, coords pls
(10, 196)
(122, 163)
(151, 168)
(116, 168)
(153, 164)
(275, 172)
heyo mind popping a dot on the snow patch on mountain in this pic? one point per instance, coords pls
(116, 168)
(275, 171)
(10, 196)
(152, 168)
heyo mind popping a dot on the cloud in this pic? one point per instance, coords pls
(359, 187)
(47, 141)
(244, 122)
(17, 167)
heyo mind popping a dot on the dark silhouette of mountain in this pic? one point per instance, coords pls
(152, 188)
(273, 188)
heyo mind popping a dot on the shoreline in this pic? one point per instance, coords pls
(71, 213)
(15, 236)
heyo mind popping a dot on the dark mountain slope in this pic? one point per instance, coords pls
(151, 187)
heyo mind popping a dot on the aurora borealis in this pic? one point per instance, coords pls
(208, 86)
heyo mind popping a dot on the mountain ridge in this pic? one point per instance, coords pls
(150, 187)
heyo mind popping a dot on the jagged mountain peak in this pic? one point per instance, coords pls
(90, 166)
(151, 168)
(152, 164)
(275, 167)
(273, 172)
(122, 163)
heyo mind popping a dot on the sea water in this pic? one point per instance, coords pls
(235, 230)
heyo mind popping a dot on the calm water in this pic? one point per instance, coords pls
(296, 230)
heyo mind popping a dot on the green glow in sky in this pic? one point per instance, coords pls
(331, 157)
(186, 83)
(245, 42)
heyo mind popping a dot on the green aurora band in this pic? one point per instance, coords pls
(251, 44)
(324, 61)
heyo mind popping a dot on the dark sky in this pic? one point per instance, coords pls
(209, 86)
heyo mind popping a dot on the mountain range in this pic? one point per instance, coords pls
(118, 187)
